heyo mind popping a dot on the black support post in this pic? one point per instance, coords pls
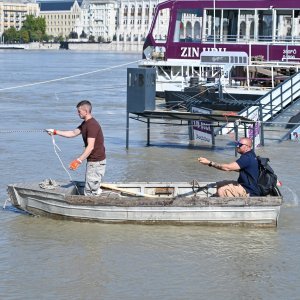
(236, 134)
(127, 130)
(262, 135)
(148, 131)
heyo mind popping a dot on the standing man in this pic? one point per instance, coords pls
(246, 165)
(94, 148)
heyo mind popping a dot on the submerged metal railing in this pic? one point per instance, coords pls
(267, 107)
(275, 100)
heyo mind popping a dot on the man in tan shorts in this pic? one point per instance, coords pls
(246, 165)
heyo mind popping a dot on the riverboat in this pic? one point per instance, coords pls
(145, 203)
(13, 46)
(267, 31)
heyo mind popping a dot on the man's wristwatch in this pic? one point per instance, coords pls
(210, 164)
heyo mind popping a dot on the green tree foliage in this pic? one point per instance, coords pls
(46, 38)
(83, 34)
(59, 39)
(24, 36)
(11, 35)
(73, 35)
(33, 30)
(34, 24)
(91, 39)
(36, 28)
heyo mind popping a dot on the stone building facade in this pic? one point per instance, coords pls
(107, 20)
(118, 20)
(134, 19)
(98, 19)
(13, 13)
(60, 16)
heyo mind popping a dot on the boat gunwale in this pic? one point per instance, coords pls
(194, 210)
(118, 200)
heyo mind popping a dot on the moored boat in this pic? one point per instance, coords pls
(183, 30)
(13, 46)
(146, 203)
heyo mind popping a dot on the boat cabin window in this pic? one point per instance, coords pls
(213, 29)
(296, 30)
(160, 29)
(231, 25)
(284, 25)
(246, 25)
(238, 25)
(224, 58)
(265, 25)
(188, 26)
(208, 25)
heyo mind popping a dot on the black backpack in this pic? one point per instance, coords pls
(267, 179)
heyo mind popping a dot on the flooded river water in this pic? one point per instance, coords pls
(42, 258)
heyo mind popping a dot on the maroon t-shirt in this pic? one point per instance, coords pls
(92, 129)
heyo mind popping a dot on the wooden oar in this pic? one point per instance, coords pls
(115, 188)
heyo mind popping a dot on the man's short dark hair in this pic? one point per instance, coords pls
(84, 102)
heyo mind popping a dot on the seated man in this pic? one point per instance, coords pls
(246, 165)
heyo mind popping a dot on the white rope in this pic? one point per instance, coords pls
(22, 130)
(55, 150)
(68, 77)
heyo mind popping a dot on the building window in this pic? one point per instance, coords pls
(125, 11)
(140, 10)
(132, 11)
(153, 10)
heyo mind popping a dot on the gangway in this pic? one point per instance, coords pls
(272, 104)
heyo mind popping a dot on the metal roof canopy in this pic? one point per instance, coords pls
(187, 116)
(218, 120)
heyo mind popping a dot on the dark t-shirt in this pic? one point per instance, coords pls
(92, 129)
(249, 172)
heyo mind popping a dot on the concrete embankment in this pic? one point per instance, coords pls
(113, 46)
(42, 46)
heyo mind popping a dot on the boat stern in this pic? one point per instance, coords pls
(13, 196)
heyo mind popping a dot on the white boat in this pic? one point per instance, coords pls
(249, 77)
(182, 31)
(146, 203)
(13, 46)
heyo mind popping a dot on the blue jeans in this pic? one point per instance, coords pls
(95, 170)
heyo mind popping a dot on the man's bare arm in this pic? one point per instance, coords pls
(233, 166)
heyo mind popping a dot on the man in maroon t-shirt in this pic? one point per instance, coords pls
(94, 148)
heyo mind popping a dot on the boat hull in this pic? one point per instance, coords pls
(194, 209)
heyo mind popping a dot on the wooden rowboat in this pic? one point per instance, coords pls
(145, 202)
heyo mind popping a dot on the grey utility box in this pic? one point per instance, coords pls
(140, 89)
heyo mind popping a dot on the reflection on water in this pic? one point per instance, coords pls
(66, 260)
